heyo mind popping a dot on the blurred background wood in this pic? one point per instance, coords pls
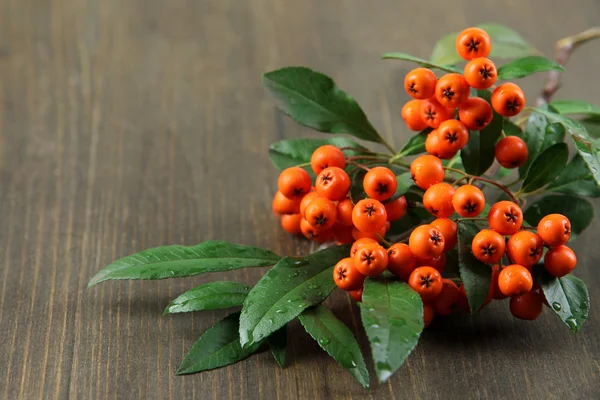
(131, 124)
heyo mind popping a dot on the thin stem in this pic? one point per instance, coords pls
(378, 158)
(363, 150)
(306, 164)
(471, 219)
(397, 161)
(385, 242)
(459, 179)
(529, 228)
(478, 178)
(359, 165)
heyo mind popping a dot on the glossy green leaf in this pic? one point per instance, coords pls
(421, 62)
(292, 152)
(277, 344)
(568, 297)
(415, 145)
(547, 166)
(525, 66)
(210, 296)
(592, 125)
(579, 211)
(576, 179)
(539, 134)
(506, 44)
(181, 261)
(476, 275)
(575, 107)
(286, 290)
(392, 315)
(512, 129)
(478, 155)
(313, 99)
(217, 347)
(337, 340)
(405, 182)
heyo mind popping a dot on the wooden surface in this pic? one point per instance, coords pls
(130, 124)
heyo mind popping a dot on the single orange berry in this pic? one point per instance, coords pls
(468, 201)
(283, 205)
(333, 183)
(347, 276)
(437, 262)
(401, 261)
(475, 113)
(433, 113)
(427, 170)
(480, 73)
(396, 209)
(438, 200)
(321, 213)
(527, 306)
(380, 183)
(369, 216)
(445, 302)
(511, 152)
(554, 229)
(508, 99)
(473, 43)
(309, 231)
(291, 223)
(515, 280)
(294, 182)
(344, 212)
(435, 147)
(371, 259)
(454, 135)
(359, 243)
(448, 229)
(420, 83)
(560, 260)
(411, 114)
(505, 217)
(327, 156)
(426, 241)
(356, 294)
(427, 282)
(452, 90)
(488, 246)
(525, 248)
(428, 315)
(306, 201)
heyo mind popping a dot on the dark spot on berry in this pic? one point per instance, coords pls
(433, 211)
(430, 114)
(341, 274)
(369, 210)
(436, 238)
(511, 216)
(448, 93)
(320, 220)
(473, 45)
(480, 122)
(535, 252)
(426, 281)
(381, 188)
(470, 207)
(412, 88)
(488, 250)
(298, 192)
(485, 72)
(513, 105)
(326, 179)
(567, 229)
(451, 137)
(368, 258)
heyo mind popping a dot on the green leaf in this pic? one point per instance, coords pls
(579, 211)
(292, 152)
(277, 343)
(478, 155)
(181, 261)
(506, 44)
(313, 99)
(286, 290)
(476, 275)
(421, 62)
(337, 340)
(217, 347)
(546, 167)
(539, 135)
(411, 219)
(392, 314)
(575, 107)
(525, 66)
(587, 146)
(575, 179)
(405, 182)
(414, 145)
(592, 125)
(210, 296)
(568, 297)
(511, 129)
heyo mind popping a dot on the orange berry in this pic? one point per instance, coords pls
(435, 146)
(344, 212)
(559, 261)
(380, 183)
(426, 171)
(321, 213)
(291, 223)
(475, 113)
(468, 201)
(438, 262)
(473, 43)
(356, 294)
(454, 135)
(369, 216)
(433, 113)
(411, 114)
(294, 182)
(427, 282)
(306, 201)
(508, 99)
(515, 280)
(511, 152)
(333, 183)
(428, 315)
(327, 156)
(420, 83)
(283, 205)
(359, 243)
(426, 241)
(438, 200)
(396, 209)
(347, 276)
(452, 90)
(527, 306)
(505, 217)
(480, 73)
(309, 231)
(488, 246)
(448, 229)
(525, 248)
(371, 259)
(445, 302)
(401, 261)
(554, 229)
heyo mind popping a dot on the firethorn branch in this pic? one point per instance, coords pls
(479, 178)
(564, 49)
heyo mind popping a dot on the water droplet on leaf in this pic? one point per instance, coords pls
(556, 306)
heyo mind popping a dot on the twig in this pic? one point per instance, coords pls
(564, 49)
(359, 165)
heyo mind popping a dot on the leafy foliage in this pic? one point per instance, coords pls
(547, 166)
(576, 179)
(421, 62)
(579, 211)
(525, 66)
(575, 107)
(475, 275)
(210, 296)
(278, 343)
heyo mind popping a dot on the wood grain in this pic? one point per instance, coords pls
(130, 124)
